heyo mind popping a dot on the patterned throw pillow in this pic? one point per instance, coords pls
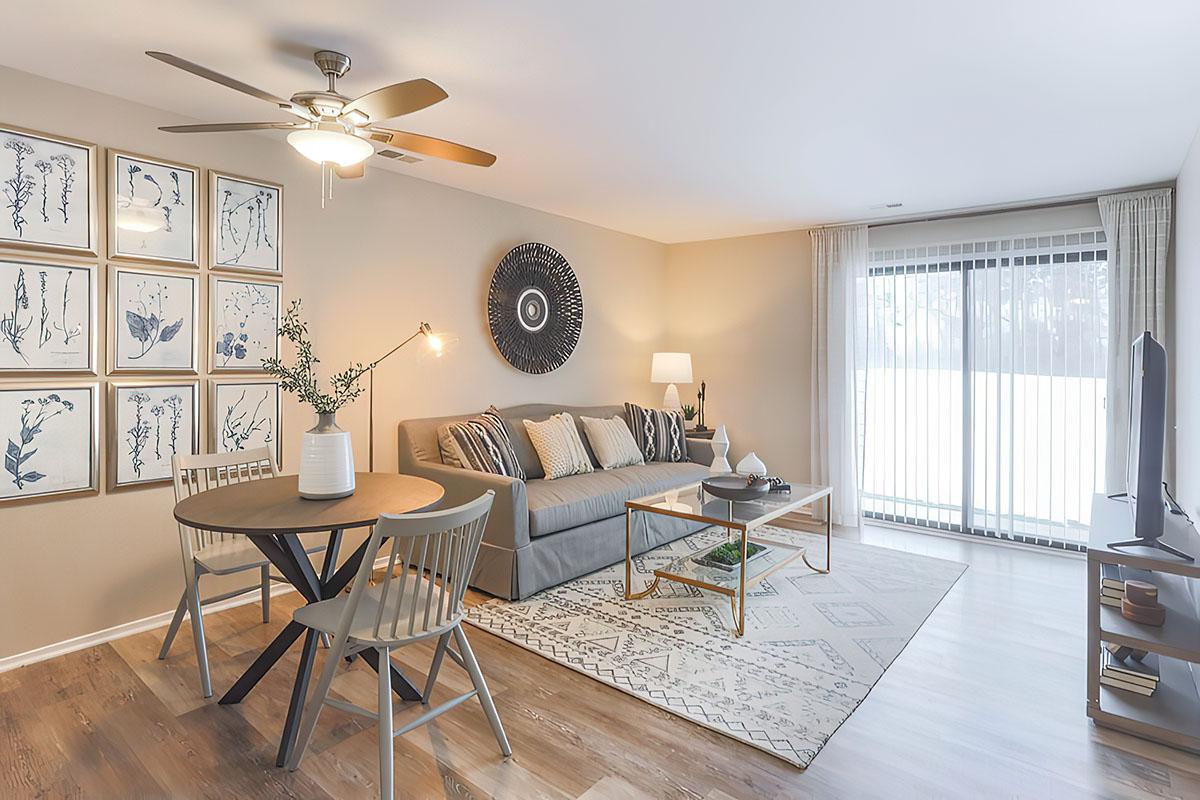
(658, 433)
(612, 442)
(480, 444)
(558, 446)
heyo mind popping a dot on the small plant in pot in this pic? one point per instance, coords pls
(689, 415)
(326, 458)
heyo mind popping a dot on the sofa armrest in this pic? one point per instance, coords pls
(508, 525)
(700, 451)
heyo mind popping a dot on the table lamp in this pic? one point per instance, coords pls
(671, 368)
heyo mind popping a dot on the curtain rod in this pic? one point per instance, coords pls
(984, 211)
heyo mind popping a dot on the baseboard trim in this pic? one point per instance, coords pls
(46, 652)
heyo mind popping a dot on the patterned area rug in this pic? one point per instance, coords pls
(814, 644)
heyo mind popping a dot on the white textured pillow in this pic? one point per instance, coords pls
(558, 446)
(612, 442)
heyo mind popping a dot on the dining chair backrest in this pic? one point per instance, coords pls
(443, 543)
(199, 473)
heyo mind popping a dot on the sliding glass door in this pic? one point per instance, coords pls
(981, 385)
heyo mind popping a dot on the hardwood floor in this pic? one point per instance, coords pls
(986, 701)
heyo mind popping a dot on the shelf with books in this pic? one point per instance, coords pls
(1174, 707)
(1171, 714)
(1178, 637)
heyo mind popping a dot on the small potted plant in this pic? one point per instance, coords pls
(326, 457)
(689, 416)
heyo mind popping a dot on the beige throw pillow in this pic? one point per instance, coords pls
(612, 442)
(558, 446)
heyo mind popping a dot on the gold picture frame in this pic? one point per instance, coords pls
(41, 162)
(154, 430)
(18, 435)
(221, 211)
(118, 178)
(117, 362)
(48, 313)
(220, 419)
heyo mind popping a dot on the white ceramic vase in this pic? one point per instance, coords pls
(751, 465)
(326, 461)
(720, 448)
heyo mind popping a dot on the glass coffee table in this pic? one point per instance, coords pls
(740, 521)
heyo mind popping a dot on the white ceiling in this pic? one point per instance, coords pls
(693, 119)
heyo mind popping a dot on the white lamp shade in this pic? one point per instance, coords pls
(671, 368)
(333, 147)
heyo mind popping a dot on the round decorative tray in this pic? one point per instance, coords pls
(737, 488)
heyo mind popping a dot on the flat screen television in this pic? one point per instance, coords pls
(1147, 439)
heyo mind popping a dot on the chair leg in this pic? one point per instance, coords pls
(438, 655)
(485, 697)
(386, 777)
(308, 720)
(176, 620)
(266, 592)
(193, 593)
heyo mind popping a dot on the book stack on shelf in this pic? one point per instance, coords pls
(1112, 582)
(1130, 670)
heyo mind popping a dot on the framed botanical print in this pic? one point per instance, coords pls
(153, 321)
(51, 440)
(153, 210)
(243, 325)
(245, 224)
(47, 318)
(49, 189)
(245, 413)
(148, 423)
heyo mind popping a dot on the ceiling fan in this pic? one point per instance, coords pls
(334, 129)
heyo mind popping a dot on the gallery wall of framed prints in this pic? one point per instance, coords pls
(129, 281)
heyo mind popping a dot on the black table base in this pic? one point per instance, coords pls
(285, 551)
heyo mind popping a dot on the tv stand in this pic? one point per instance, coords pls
(1172, 715)
(1157, 544)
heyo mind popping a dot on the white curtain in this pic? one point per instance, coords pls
(839, 266)
(1138, 228)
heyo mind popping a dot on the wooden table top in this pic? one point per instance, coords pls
(274, 505)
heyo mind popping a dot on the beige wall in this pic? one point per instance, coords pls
(1184, 358)
(388, 252)
(743, 308)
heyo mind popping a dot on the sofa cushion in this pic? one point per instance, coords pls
(515, 416)
(579, 499)
(559, 447)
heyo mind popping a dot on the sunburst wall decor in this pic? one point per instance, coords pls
(535, 308)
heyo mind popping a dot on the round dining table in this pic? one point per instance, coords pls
(272, 514)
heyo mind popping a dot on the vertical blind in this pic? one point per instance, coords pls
(981, 385)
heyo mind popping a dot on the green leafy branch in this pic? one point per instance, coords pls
(300, 379)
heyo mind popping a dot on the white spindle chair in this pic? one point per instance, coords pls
(215, 553)
(405, 606)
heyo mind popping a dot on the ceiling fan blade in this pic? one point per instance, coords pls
(438, 148)
(224, 80)
(220, 127)
(352, 171)
(398, 99)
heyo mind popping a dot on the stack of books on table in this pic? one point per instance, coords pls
(1123, 669)
(1112, 583)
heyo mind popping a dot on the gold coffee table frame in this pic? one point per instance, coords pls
(741, 519)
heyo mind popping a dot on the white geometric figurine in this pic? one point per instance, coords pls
(720, 448)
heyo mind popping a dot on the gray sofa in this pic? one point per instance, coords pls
(541, 532)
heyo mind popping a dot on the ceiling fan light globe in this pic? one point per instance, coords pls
(330, 147)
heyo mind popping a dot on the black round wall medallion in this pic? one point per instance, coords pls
(535, 308)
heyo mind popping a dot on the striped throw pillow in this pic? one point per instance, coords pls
(658, 433)
(612, 442)
(558, 446)
(481, 444)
